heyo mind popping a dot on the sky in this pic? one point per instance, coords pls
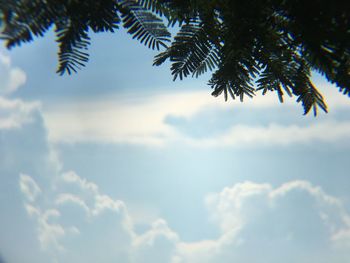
(118, 163)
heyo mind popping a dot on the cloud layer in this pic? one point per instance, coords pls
(145, 121)
(11, 77)
(69, 214)
(261, 223)
(250, 216)
(13, 112)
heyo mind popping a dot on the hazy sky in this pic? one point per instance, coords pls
(119, 164)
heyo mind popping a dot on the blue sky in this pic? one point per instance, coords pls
(120, 164)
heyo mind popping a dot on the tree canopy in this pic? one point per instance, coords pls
(250, 46)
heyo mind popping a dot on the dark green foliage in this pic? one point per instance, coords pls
(192, 51)
(265, 46)
(252, 46)
(143, 25)
(72, 20)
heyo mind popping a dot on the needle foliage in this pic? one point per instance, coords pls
(249, 46)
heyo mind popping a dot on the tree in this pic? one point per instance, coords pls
(252, 46)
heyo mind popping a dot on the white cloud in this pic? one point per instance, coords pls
(139, 121)
(11, 77)
(143, 121)
(105, 215)
(248, 215)
(243, 213)
(71, 198)
(252, 214)
(226, 206)
(315, 191)
(276, 134)
(49, 233)
(158, 228)
(342, 237)
(104, 202)
(156, 245)
(121, 121)
(29, 187)
(100, 202)
(205, 251)
(14, 113)
(72, 177)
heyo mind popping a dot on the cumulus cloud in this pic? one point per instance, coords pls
(291, 221)
(100, 202)
(103, 215)
(29, 187)
(49, 232)
(295, 219)
(71, 198)
(156, 245)
(72, 177)
(14, 113)
(11, 77)
(226, 206)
